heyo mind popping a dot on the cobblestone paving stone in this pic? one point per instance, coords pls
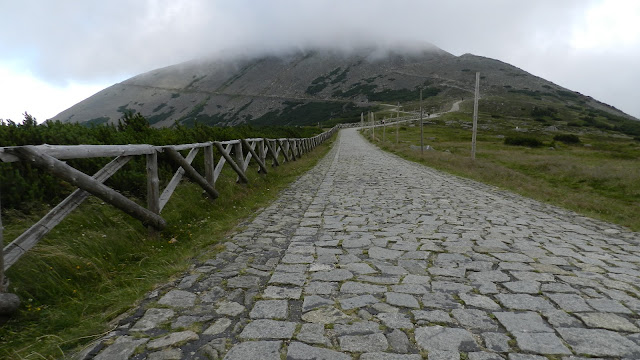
(369, 256)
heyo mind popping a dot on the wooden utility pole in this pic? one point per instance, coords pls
(362, 120)
(373, 126)
(397, 122)
(421, 132)
(384, 129)
(475, 118)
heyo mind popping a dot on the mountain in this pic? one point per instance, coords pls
(305, 87)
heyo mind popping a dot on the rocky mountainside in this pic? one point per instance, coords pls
(306, 87)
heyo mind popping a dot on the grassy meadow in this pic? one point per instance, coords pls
(597, 176)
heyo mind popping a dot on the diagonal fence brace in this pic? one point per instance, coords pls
(89, 184)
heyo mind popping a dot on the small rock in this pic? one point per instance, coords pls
(9, 303)
(300, 351)
(268, 329)
(326, 315)
(172, 339)
(255, 350)
(218, 327)
(230, 308)
(122, 348)
(398, 341)
(178, 298)
(362, 343)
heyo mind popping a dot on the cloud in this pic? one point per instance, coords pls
(93, 40)
(27, 93)
(107, 41)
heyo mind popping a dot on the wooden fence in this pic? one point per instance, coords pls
(237, 153)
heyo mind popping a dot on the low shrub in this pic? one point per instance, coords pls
(567, 138)
(528, 141)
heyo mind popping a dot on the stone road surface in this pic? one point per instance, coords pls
(371, 257)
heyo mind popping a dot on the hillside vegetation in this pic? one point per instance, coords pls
(99, 262)
(22, 186)
(574, 157)
(304, 87)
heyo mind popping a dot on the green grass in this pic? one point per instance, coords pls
(99, 262)
(598, 178)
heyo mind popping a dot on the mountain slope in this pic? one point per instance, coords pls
(306, 87)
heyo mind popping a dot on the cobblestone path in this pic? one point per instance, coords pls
(371, 257)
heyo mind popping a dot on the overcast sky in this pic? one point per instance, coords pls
(55, 53)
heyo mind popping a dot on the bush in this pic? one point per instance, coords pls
(567, 138)
(22, 186)
(528, 141)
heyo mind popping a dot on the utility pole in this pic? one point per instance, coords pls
(373, 126)
(384, 129)
(362, 120)
(421, 132)
(475, 117)
(397, 121)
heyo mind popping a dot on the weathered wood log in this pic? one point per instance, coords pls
(28, 239)
(191, 172)
(175, 180)
(240, 160)
(284, 149)
(87, 183)
(255, 156)
(80, 151)
(233, 165)
(292, 146)
(247, 158)
(262, 154)
(190, 146)
(209, 164)
(274, 155)
(153, 183)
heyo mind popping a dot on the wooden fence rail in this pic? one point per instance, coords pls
(237, 153)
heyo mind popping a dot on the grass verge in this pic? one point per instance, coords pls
(99, 262)
(597, 177)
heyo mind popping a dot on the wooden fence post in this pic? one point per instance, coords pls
(262, 154)
(255, 156)
(234, 166)
(191, 172)
(153, 183)
(285, 149)
(209, 165)
(270, 150)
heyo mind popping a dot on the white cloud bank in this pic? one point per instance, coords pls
(589, 46)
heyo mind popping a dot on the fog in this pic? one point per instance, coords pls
(588, 46)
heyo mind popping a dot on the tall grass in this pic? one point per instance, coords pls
(99, 262)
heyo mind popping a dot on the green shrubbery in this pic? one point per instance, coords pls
(522, 140)
(22, 186)
(567, 138)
